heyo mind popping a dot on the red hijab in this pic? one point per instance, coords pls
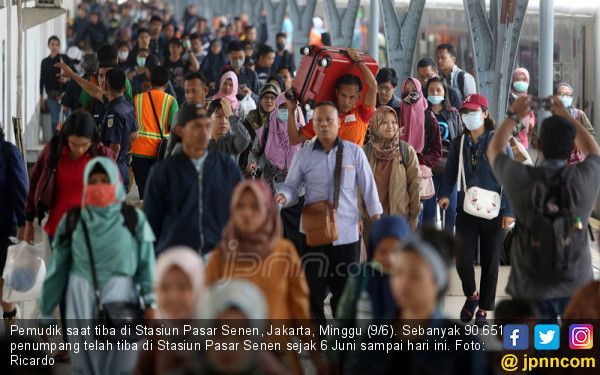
(412, 118)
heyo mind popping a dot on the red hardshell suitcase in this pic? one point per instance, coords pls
(319, 69)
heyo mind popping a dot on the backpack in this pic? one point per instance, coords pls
(130, 221)
(552, 237)
(461, 83)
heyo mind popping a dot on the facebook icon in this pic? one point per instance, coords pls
(516, 337)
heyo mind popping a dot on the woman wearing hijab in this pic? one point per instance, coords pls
(228, 88)
(397, 179)
(519, 87)
(259, 117)
(272, 143)
(564, 91)
(213, 63)
(241, 304)
(123, 257)
(252, 248)
(178, 286)
(421, 130)
(367, 294)
(418, 281)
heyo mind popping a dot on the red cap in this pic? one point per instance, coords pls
(473, 102)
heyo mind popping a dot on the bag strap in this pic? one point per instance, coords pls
(337, 175)
(86, 234)
(461, 83)
(156, 116)
(461, 180)
(404, 153)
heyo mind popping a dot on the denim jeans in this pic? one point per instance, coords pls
(550, 309)
(54, 109)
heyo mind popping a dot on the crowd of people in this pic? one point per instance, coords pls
(237, 182)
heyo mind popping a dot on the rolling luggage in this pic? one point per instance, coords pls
(320, 67)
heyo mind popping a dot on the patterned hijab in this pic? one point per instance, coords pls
(270, 231)
(385, 149)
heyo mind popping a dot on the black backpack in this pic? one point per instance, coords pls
(552, 237)
(130, 221)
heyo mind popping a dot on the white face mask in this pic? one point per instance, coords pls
(566, 100)
(473, 120)
(123, 55)
(435, 99)
(237, 64)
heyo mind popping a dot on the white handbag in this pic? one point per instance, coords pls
(478, 202)
(427, 188)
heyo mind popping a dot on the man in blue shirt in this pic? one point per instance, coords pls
(327, 266)
(120, 121)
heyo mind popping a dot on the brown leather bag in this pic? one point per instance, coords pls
(319, 219)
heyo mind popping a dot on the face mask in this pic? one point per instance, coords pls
(237, 64)
(472, 120)
(123, 55)
(141, 61)
(100, 195)
(283, 115)
(435, 99)
(521, 86)
(411, 97)
(566, 100)
(280, 46)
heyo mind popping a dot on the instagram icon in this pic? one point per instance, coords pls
(581, 336)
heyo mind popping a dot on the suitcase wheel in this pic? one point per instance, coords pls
(306, 50)
(324, 62)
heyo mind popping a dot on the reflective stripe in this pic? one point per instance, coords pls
(150, 135)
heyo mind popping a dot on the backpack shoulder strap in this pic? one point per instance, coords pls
(428, 135)
(461, 82)
(404, 153)
(72, 218)
(130, 217)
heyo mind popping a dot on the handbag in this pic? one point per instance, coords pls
(319, 219)
(478, 202)
(113, 315)
(427, 188)
(162, 147)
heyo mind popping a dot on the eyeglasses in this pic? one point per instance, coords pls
(268, 98)
(385, 89)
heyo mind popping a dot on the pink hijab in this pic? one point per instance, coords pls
(235, 104)
(412, 118)
(516, 73)
(278, 149)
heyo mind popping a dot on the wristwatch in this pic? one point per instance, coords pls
(513, 116)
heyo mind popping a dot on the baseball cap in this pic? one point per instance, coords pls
(269, 88)
(189, 112)
(474, 102)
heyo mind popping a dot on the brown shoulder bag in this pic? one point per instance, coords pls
(319, 219)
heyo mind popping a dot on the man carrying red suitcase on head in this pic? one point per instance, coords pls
(354, 116)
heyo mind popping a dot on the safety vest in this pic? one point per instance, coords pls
(147, 144)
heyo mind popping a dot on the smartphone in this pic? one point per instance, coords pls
(540, 103)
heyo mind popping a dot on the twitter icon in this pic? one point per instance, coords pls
(547, 337)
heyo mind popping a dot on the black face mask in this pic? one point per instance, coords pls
(411, 96)
(280, 46)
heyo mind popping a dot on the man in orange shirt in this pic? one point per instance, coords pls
(354, 116)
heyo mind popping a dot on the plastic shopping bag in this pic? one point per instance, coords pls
(24, 272)
(246, 105)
